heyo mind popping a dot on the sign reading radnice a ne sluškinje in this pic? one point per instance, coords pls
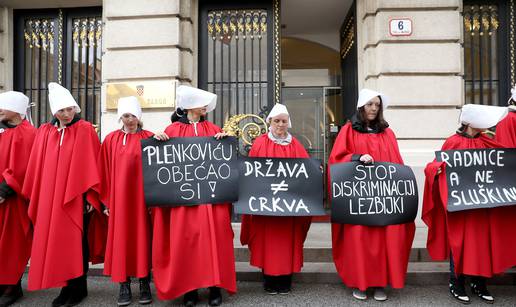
(479, 178)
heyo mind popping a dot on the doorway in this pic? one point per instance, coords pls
(315, 72)
(313, 113)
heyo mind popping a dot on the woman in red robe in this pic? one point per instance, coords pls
(479, 242)
(506, 128)
(276, 243)
(192, 246)
(16, 138)
(121, 191)
(370, 256)
(61, 182)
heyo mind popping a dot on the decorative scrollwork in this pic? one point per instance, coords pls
(232, 25)
(240, 22)
(228, 24)
(481, 19)
(211, 25)
(87, 31)
(256, 24)
(247, 24)
(84, 32)
(246, 127)
(264, 111)
(263, 23)
(98, 33)
(39, 33)
(348, 38)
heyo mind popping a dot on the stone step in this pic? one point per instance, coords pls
(317, 247)
(418, 274)
(324, 254)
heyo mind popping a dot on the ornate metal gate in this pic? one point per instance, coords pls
(489, 50)
(64, 46)
(239, 56)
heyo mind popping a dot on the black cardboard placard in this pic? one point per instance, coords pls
(377, 194)
(479, 178)
(190, 171)
(280, 187)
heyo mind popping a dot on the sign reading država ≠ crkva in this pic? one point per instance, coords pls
(375, 194)
(189, 171)
(280, 187)
(479, 178)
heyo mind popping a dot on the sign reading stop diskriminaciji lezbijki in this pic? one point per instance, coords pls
(377, 194)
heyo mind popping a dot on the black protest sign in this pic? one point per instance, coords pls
(377, 194)
(190, 171)
(479, 178)
(280, 187)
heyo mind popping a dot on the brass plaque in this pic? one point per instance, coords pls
(151, 94)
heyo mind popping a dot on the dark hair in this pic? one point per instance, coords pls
(378, 124)
(178, 114)
(462, 129)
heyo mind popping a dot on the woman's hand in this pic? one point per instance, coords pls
(439, 170)
(106, 211)
(2, 199)
(161, 136)
(89, 208)
(220, 135)
(366, 158)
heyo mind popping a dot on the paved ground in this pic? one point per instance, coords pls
(104, 293)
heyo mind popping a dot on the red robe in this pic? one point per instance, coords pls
(370, 256)
(192, 246)
(56, 181)
(121, 190)
(15, 230)
(276, 243)
(482, 241)
(506, 130)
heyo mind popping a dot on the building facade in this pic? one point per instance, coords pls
(430, 57)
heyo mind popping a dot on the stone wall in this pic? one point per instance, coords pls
(148, 40)
(6, 55)
(422, 73)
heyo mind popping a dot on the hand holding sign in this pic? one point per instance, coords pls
(367, 159)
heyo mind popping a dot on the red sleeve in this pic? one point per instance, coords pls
(105, 170)
(434, 212)
(256, 147)
(299, 149)
(245, 229)
(23, 139)
(343, 148)
(506, 131)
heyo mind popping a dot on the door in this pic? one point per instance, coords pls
(238, 56)
(315, 116)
